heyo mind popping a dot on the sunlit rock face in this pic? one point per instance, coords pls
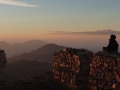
(71, 66)
(105, 71)
(82, 69)
(3, 60)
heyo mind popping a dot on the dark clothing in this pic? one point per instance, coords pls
(112, 46)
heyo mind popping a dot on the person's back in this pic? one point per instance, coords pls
(112, 46)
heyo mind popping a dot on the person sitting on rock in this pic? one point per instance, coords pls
(112, 46)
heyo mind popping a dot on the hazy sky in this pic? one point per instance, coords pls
(26, 19)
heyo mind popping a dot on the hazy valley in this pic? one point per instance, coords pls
(19, 48)
(30, 64)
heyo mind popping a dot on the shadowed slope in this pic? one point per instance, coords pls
(24, 69)
(43, 54)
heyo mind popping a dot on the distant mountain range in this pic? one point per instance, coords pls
(19, 48)
(30, 64)
(43, 54)
(24, 69)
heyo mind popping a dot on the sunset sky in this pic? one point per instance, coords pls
(29, 19)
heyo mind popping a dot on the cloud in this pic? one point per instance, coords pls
(17, 3)
(97, 32)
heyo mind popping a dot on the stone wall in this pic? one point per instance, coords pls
(105, 71)
(87, 71)
(71, 66)
(3, 60)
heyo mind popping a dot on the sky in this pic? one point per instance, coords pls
(22, 20)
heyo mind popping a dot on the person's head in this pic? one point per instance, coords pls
(113, 37)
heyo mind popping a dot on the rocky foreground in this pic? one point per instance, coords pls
(43, 82)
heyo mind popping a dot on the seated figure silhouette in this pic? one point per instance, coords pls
(112, 46)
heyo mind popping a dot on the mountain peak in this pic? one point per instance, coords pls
(43, 54)
(19, 48)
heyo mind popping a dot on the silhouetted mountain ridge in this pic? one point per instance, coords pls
(19, 48)
(43, 54)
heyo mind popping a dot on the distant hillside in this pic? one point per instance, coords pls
(19, 48)
(43, 54)
(23, 68)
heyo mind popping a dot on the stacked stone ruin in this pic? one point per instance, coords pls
(87, 71)
(105, 71)
(71, 66)
(3, 60)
